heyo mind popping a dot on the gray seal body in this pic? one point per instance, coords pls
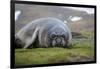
(48, 32)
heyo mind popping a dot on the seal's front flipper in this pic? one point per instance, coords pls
(32, 40)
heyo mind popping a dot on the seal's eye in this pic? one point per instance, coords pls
(63, 36)
(53, 36)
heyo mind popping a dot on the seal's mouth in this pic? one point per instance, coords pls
(58, 42)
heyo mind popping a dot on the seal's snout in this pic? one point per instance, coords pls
(58, 41)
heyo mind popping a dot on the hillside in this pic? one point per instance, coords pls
(32, 12)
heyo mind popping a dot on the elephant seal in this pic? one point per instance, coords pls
(47, 32)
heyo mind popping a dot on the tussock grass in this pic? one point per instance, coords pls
(80, 52)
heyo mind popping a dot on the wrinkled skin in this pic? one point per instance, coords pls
(46, 32)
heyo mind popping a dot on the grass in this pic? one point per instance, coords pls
(83, 50)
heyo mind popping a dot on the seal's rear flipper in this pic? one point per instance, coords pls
(18, 43)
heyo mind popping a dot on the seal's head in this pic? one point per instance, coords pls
(58, 37)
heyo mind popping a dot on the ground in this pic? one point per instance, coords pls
(83, 50)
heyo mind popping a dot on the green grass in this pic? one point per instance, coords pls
(81, 51)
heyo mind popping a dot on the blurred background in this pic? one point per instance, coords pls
(77, 18)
